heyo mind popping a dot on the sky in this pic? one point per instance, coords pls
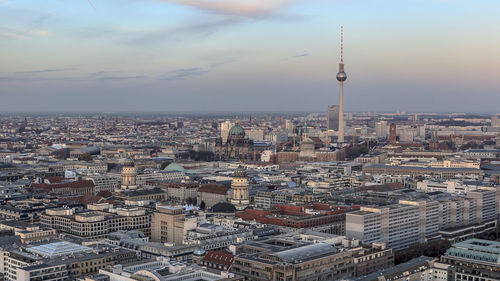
(249, 55)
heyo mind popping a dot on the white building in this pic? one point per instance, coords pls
(414, 221)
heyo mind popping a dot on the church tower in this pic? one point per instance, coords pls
(129, 174)
(239, 189)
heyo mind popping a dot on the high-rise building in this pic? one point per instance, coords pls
(381, 129)
(167, 224)
(333, 117)
(415, 220)
(239, 189)
(255, 134)
(495, 121)
(289, 126)
(392, 133)
(224, 130)
(341, 77)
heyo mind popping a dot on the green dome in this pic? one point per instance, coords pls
(237, 130)
(175, 167)
(128, 162)
(240, 172)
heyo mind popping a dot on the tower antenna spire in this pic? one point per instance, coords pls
(341, 44)
(341, 77)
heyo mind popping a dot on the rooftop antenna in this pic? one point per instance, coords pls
(341, 44)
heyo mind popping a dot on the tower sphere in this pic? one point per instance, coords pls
(341, 76)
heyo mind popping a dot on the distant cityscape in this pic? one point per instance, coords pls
(405, 196)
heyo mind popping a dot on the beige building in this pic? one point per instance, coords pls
(98, 221)
(212, 194)
(27, 232)
(104, 182)
(169, 224)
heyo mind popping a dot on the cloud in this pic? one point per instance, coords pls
(108, 78)
(10, 35)
(39, 71)
(301, 55)
(182, 73)
(44, 33)
(199, 28)
(244, 8)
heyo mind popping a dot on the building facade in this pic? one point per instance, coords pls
(237, 147)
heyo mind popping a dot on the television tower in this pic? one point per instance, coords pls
(341, 77)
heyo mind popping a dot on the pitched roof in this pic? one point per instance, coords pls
(86, 199)
(214, 188)
(70, 184)
(55, 179)
(219, 257)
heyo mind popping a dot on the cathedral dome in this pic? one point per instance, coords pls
(223, 207)
(128, 162)
(175, 167)
(240, 173)
(237, 130)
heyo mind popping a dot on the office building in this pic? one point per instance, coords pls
(414, 221)
(392, 134)
(169, 224)
(495, 121)
(473, 259)
(381, 129)
(59, 260)
(275, 259)
(224, 130)
(333, 117)
(98, 221)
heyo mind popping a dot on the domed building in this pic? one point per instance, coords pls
(237, 147)
(174, 167)
(240, 197)
(129, 175)
(223, 208)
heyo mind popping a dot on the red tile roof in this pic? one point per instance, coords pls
(104, 193)
(219, 257)
(53, 180)
(86, 199)
(214, 188)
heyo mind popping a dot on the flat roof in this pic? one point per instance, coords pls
(58, 249)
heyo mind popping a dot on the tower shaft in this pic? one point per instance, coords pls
(341, 113)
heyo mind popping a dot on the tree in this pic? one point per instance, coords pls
(85, 157)
(433, 248)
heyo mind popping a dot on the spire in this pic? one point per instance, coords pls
(341, 76)
(341, 44)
